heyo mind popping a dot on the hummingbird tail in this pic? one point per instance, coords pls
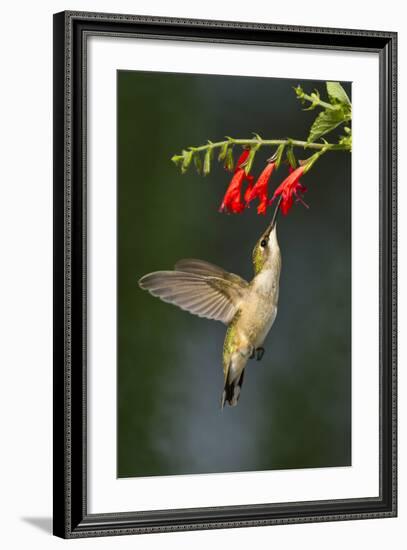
(231, 391)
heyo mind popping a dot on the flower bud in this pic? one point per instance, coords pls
(207, 161)
(187, 158)
(229, 160)
(223, 151)
(198, 163)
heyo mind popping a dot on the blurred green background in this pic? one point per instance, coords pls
(295, 407)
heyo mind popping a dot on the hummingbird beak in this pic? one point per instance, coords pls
(273, 223)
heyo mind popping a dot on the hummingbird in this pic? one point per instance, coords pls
(248, 309)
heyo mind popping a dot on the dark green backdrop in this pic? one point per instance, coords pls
(295, 407)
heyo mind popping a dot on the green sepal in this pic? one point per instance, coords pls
(312, 159)
(187, 159)
(315, 100)
(250, 159)
(346, 141)
(291, 157)
(279, 155)
(223, 151)
(299, 92)
(229, 161)
(198, 163)
(177, 160)
(207, 161)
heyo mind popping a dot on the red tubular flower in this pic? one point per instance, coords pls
(288, 188)
(232, 201)
(259, 190)
(242, 159)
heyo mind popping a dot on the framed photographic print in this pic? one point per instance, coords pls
(224, 274)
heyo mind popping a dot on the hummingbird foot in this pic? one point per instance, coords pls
(259, 353)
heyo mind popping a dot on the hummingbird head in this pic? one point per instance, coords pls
(266, 253)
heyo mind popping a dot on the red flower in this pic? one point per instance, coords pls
(232, 201)
(288, 188)
(259, 190)
(242, 159)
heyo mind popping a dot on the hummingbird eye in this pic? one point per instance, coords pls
(263, 243)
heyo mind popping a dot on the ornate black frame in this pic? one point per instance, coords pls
(71, 518)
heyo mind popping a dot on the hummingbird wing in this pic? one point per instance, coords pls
(200, 267)
(207, 296)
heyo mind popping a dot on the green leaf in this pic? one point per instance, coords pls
(325, 122)
(337, 94)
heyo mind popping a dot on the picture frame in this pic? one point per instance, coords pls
(72, 517)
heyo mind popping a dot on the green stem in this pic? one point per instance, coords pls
(318, 102)
(271, 142)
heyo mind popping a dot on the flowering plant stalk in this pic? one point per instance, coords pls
(335, 112)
